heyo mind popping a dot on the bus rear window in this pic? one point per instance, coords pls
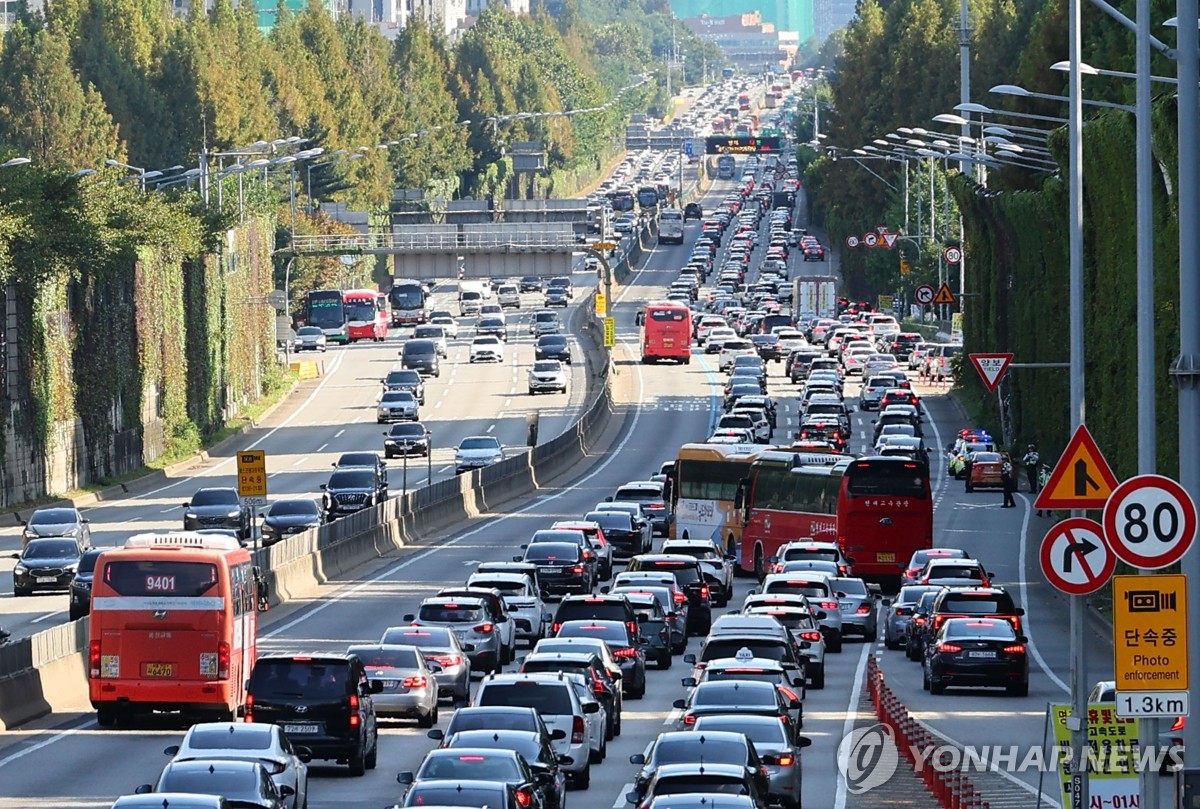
(665, 315)
(160, 577)
(895, 480)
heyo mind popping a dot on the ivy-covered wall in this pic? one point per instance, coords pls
(1017, 256)
(129, 337)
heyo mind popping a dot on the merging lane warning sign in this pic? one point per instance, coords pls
(1082, 477)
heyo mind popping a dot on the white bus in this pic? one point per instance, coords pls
(670, 226)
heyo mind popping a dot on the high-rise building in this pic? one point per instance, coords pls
(830, 15)
(747, 41)
(784, 15)
(476, 7)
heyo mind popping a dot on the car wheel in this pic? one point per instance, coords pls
(924, 678)
(21, 591)
(532, 392)
(664, 659)
(584, 779)
(106, 716)
(596, 756)
(969, 487)
(372, 759)
(817, 678)
(936, 686)
(834, 644)
(430, 719)
(358, 762)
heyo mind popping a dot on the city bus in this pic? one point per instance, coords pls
(786, 496)
(885, 514)
(366, 315)
(325, 309)
(725, 167)
(704, 484)
(173, 627)
(727, 73)
(410, 303)
(667, 332)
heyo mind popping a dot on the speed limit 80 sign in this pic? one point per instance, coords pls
(1150, 521)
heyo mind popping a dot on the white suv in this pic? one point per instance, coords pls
(548, 375)
(509, 296)
(731, 350)
(487, 348)
(522, 600)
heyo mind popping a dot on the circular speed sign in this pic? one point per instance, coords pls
(1150, 521)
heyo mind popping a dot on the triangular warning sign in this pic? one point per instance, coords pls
(1081, 478)
(991, 367)
(890, 239)
(944, 296)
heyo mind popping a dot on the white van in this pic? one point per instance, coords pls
(670, 226)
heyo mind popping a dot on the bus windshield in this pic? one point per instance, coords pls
(362, 310)
(407, 296)
(325, 309)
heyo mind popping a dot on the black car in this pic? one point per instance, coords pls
(496, 717)
(627, 647)
(681, 746)
(294, 515)
(405, 379)
(562, 282)
(553, 347)
(621, 530)
(484, 763)
(560, 566)
(81, 585)
(530, 283)
(353, 489)
(692, 211)
(217, 507)
(919, 629)
(595, 607)
(362, 460)
(534, 747)
(555, 296)
(406, 439)
(492, 325)
(46, 564)
(324, 699)
(421, 356)
(492, 794)
(767, 346)
(690, 576)
(976, 652)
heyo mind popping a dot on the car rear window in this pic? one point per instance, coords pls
(711, 784)
(806, 587)
(550, 551)
(458, 613)
(954, 572)
(457, 795)
(997, 629)
(373, 657)
(766, 648)
(991, 604)
(299, 677)
(212, 738)
(606, 610)
(685, 573)
(545, 698)
(695, 747)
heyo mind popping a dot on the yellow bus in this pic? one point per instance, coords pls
(704, 484)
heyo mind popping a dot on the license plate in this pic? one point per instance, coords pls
(159, 669)
(47, 579)
(846, 605)
(301, 729)
(551, 569)
(885, 557)
(982, 655)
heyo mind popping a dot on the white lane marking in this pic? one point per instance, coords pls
(839, 801)
(508, 402)
(673, 717)
(301, 461)
(322, 448)
(167, 510)
(338, 434)
(49, 740)
(44, 617)
(1021, 584)
(439, 404)
(133, 519)
(620, 801)
(491, 427)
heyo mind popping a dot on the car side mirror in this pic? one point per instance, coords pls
(524, 547)
(608, 499)
(1022, 639)
(558, 734)
(637, 758)
(516, 558)
(803, 741)
(566, 760)
(437, 734)
(794, 703)
(468, 647)
(187, 505)
(14, 556)
(840, 594)
(679, 703)
(769, 760)
(322, 487)
(804, 644)
(991, 575)
(631, 797)
(821, 615)
(172, 750)
(605, 590)
(409, 617)
(547, 616)
(406, 777)
(286, 791)
(1019, 611)
(887, 602)
(689, 658)
(688, 682)
(303, 753)
(144, 789)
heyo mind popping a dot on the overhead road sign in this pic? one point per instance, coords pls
(604, 246)
(953, 255)
(1150, 521)
(1150, 633)
(944, 296)
(252, 476)
(1075, 558)
(992, 368)
(1082, 477)
(741, 144)
(924, 294)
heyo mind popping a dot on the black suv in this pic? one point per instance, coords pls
(691, 580)
(692, 211)
(406, 379)
(625, 535)
(352, 489)
(81, 585)
(974, 602)
(596, 608)
(217, 507)
(553, 347)
(324, 699)
(560, 567)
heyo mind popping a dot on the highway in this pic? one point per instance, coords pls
(65, 760)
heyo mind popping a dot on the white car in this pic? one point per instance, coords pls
(309, 338)
(762, 427)
(476, 452)
(548, 375)
(855, 361)
(716, 337)
(492, 310)
(730, 435)
(487, 348)
(435, 332)
(731, 350)
(522, 599)
(258, 743)
(448, 323)
(509, 296)
(545, 321)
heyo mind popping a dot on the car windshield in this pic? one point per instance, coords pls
(853, 587)
(690, 747)
(486, 339)
(288, 678)
(294, 507)
(510, 586)
(431, 637)
(51, 549)
(403, 378)
(911, 595)
(479, 443)
(552, 341)
(685, 573)
(394, 658)
(215, 497)
(242, 737)
(429, 331)
(545, 698)
(769, 732)
(398, 396)
(547, 367)
(612, 632)
(408, 430)
(53, 516)
(352, 479)
(309, 331)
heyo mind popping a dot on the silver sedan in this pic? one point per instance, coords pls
(396, 405)
(409, 687)
(780, 752)
(859, 606)
(900, 612)
(445, 655)
(257, 743)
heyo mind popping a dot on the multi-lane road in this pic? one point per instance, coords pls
(65, 760)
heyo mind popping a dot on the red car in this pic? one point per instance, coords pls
(985, 470)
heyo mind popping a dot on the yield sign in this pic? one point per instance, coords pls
(1075, 558)
(991, 367)
(889, 239)
(1082, 477)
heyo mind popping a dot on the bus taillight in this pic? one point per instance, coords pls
(94, 658)
(223, 660)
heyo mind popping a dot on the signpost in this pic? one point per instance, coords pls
(1081, 479)
(252, 477)
(1150, 521)
(610, 332)
(1150, 645)
(601, 304)
(992, 368)
(1075, 558)
(741, 144)
(924, 294)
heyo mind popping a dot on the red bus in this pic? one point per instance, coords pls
(787, 496)
(885, 514)
(366, 315)
(173, 627)
(667, 332)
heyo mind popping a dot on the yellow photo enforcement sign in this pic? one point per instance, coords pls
(601, 304)
(252, 473)
(610, 332)
(1150, 640)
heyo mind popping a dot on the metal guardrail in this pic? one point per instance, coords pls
(511, 240)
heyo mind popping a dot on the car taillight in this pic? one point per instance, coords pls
(829, 605)
(1179, 723)
(627, 651)
(680, 598)
(688, 719)
(248, 713)
(485, 629)
(632, 627)
(598, 687)
(577, 570)
(785, 761)
(938, 620)
(354, 718)
(277, 767)
(223, 653)
(949, 647)
(420, 681)
(912, 572)
(919, 620)
(704, 591)
(446, 661)
(554, 627)
(577, 730)
(804, 433)
(94, 658)
(1015, 649)
(811, 636)
(524, 797)
(863, 610)
(789, 693)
